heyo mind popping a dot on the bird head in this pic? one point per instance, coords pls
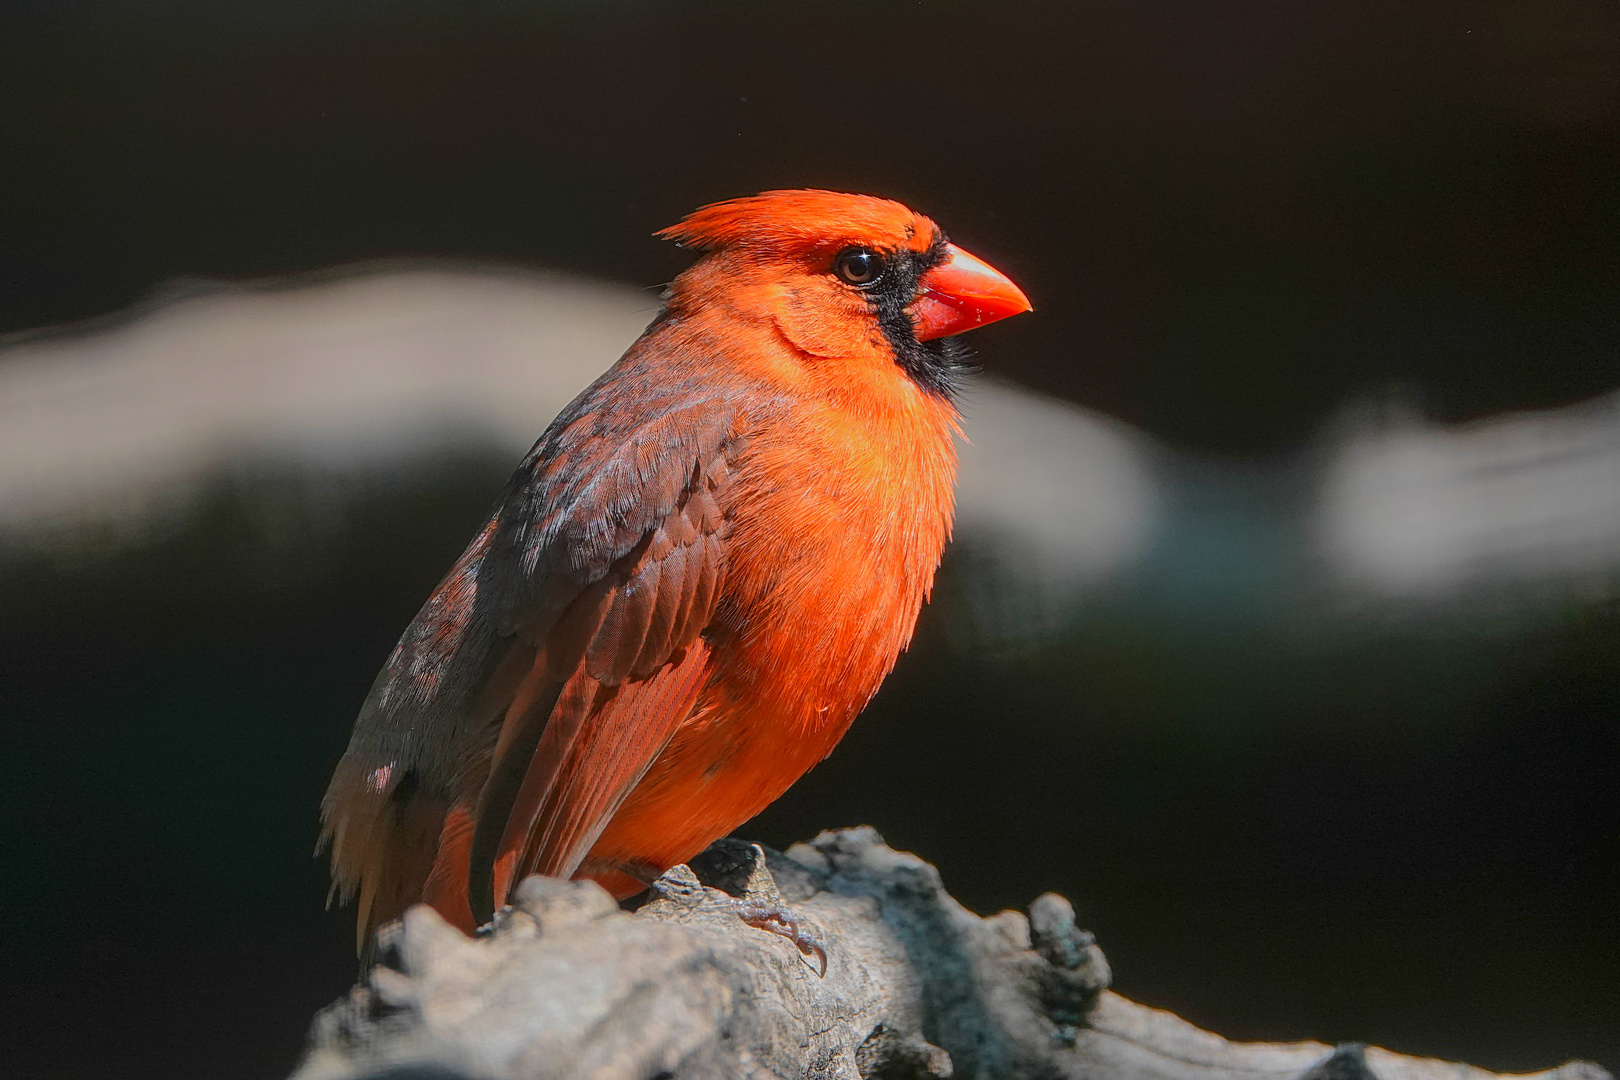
(846, 276)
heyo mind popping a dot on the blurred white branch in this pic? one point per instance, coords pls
(360, 372)
(1411, 509)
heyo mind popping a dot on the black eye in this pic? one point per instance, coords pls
(859, 266)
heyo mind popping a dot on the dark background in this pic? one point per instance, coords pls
(1232, 219)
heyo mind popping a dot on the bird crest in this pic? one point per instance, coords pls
(803, 219)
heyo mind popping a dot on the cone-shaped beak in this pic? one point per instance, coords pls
(961, 293)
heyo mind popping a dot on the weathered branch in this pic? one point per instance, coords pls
(568, 985)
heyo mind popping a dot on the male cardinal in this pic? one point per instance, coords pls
(693, 582)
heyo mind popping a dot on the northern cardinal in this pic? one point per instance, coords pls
(693, 582)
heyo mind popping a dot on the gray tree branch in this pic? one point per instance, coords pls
(568, 985)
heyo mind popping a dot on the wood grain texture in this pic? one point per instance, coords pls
(569, 985)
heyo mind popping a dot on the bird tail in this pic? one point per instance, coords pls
(383, 844)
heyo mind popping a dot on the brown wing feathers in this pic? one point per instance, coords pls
(621, 670)
(595, 576)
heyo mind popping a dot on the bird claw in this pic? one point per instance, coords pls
(776, 919)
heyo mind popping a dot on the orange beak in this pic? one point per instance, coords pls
(961, 293)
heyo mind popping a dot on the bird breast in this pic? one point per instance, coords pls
(840, 517)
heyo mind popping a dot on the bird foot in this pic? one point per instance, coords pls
(776, 919)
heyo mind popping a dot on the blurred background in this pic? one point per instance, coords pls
(1283, 628)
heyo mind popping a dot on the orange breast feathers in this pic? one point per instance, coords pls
(694, 581)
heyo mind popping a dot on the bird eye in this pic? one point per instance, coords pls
(858, 266)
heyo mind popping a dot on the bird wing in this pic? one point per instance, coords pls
(613, 675)
(553, 663)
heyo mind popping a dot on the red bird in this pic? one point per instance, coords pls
(698, 576)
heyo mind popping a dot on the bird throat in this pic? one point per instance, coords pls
(937, 366)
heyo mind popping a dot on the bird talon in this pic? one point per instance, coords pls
(776, 919)
(809, 946)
